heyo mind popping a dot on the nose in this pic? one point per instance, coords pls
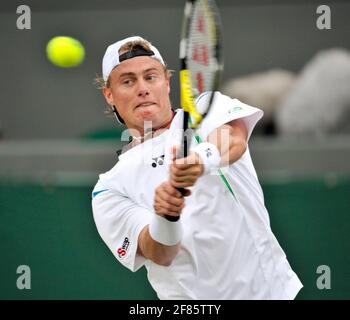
(143, 90)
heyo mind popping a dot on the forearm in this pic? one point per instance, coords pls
(155, 251)
(231, 141)
(160, 240)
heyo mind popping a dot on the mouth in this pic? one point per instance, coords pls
(144, 104)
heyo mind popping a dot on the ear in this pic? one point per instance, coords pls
(107, 92)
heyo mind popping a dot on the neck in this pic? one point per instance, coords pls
(167, 124)
(151, 132)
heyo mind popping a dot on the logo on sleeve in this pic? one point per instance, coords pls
(234, 109)
(124, 248)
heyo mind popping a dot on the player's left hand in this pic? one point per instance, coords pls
(184, 172)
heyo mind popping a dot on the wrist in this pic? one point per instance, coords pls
(210, 156)
(166, 232)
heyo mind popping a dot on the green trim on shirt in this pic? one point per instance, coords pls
(222, 176)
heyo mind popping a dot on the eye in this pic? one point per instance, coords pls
(127, 82)
(151, 77)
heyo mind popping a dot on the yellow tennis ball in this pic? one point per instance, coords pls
(65, 52)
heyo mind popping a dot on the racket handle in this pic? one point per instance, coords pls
(183, 153)
(173, 218)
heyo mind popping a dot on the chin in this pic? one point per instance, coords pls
(148, 115)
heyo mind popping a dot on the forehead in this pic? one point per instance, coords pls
(136, 65)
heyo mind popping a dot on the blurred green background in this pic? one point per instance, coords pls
(46, 223)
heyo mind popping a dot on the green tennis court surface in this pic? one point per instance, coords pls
(51, 229)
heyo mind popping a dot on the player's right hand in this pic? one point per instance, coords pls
(168, 200)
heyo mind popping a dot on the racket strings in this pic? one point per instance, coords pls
(200, 56)
(201, 51)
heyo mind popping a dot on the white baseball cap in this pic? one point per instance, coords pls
(112, 58)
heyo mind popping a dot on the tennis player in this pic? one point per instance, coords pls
(222, 247)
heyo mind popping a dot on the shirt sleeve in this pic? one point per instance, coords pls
(119, 222)
(224, 110)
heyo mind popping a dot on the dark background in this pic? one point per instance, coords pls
(41, 101)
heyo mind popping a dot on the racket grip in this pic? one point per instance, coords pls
(173, 218)
(183, 153)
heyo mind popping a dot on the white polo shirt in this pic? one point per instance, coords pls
(228, 250)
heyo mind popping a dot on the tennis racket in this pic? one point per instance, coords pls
(201, 62)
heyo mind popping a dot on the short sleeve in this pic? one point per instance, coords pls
(119, 222)
(224, 110)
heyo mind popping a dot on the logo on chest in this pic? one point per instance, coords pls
(158, 161)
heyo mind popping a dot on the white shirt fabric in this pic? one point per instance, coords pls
(228, 250)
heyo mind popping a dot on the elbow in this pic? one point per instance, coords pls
(243, 146)
(166, 258)
(163, 262)
(237, 150)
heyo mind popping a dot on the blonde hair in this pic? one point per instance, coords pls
(136, 44)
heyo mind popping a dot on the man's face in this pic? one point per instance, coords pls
(140, 91)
